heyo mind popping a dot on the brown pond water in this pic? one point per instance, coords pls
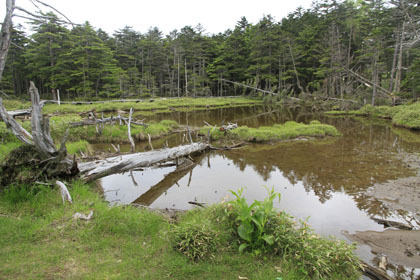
(321, 181)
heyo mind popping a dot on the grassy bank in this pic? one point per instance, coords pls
(157, 105)
(40, 240)
(277, 132)
(407, 116)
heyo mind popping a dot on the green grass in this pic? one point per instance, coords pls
(11, 104)
(6, 148)
(278, 132)
(40, 240)
(109, 133)
(158, 105)
(407, 116)
(77, 147)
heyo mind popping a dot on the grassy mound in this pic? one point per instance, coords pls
(407, 116)
(262, 231)
(278, 132)
(40, 240)
(109, 133)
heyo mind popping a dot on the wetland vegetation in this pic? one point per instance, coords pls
(354, 168)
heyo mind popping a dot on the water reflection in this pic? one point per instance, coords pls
(324, 180)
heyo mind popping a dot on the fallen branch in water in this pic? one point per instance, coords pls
(93, 170)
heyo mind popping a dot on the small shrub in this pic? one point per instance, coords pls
(195, 240)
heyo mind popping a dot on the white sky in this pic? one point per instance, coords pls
(214, 15)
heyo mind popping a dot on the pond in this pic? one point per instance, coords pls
(323, 182)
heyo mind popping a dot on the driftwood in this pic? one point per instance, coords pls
(106, 120)
(93, 170)
(229, 126)
(395, 224)
(80, 216)
(375, 273)
(65, 195)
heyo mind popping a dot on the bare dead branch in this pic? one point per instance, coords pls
(57, 11)
(65, 195)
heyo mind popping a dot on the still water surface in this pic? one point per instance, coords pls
(321, 181)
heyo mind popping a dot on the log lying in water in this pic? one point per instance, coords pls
(375, 273)
(97, 169)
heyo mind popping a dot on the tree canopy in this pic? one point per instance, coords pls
(340, 49)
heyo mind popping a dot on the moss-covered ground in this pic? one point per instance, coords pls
(39, 239)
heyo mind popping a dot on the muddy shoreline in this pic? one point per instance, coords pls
(402, 198)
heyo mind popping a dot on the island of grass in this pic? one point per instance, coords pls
(279, 132)
(407, 116)
(40, 239)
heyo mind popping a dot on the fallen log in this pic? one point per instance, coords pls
(97, 169)
(23, 112)
(375, 273)
(105, 120)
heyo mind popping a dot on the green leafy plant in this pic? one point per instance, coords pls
(196, 241)
(252, 221)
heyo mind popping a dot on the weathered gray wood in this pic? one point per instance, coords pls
(65, 194)
(15, 127)
(6, 30)
(375, 273)
(40, 132)
(130, 138)
(105, 120)
(97, 169)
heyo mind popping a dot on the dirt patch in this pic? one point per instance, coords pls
(401, 246)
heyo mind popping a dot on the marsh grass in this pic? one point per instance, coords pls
(277, 132)
(109, 133)
(265, 233)
(407, 116)
(157, 105)
(40, 240)
(77, 147)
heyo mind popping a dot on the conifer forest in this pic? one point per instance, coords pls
(354, 49)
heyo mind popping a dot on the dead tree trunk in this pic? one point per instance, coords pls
(6, 29)
(94, 170)
(57, 161)
(58, 164)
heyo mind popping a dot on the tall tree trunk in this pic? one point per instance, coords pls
(397, 86)
(375, 76)
(294, 68)
(394, 62)
(186, 78)
(6, 30)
